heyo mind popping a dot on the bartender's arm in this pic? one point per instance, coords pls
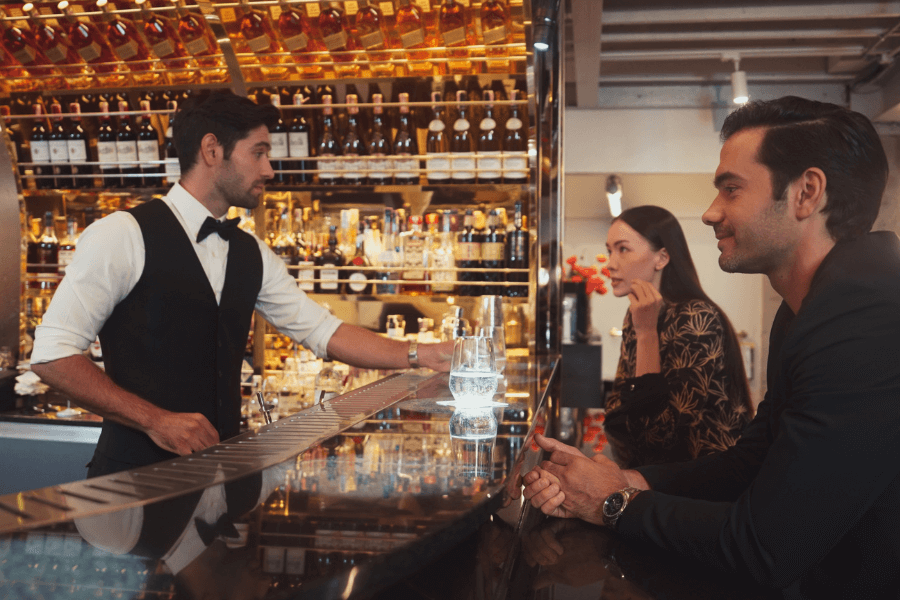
(362, 348)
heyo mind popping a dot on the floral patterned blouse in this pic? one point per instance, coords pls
(688, 409)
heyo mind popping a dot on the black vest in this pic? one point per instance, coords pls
(170, 343)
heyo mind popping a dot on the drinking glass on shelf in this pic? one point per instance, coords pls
(473, 374)
(497, 335)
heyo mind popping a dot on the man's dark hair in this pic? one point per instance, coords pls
(224, 114)
(801, 134)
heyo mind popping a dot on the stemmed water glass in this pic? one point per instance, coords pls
(473, 372)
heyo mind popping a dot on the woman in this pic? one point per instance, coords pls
(680, 389)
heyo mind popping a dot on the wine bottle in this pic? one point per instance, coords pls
(127, 149)
(462, 162)
(517, 251)
(299, 143)
(468, 255)
(48, 255)
(329, 170)
(406, 148)
(148, 148)
(515, 146)
(67, 245)
(379, 145)
(40, 150)
(492, 252)
(437, 161)
(172, 166)
(278, 135)
(77, 147)
(107, 150)
(165, 44)
(59, 149)
(489, 164)
(329, 280)
(352, 146)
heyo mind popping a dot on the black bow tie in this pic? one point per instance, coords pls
(225, 228)
(208, 532)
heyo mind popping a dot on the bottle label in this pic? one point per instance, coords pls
(496, 35)
(77, 150)
(413, 38)
(353, 167)
(173, 170)
(487, 124)
(489, 165)
(25, 55)
(436, 125)
(298, 144)
(148, 150)
(297, 42)
(329, 279)
(468, 251)
(372, 40)
(65, 259)
(462, 166)
(90, 52)
(198, 46)
(406, 168)
(515, 167)
(40, 151)
(387, 8)
(351, 7)
(164, 48)
(127, 50)
(357, 282)
(513, 124)
(335, 41)
(228, 15)
(59, 151)
(424, 5)
(260, 44)
(460, 125)
(443, 258)
(279, 145)
(305, 276)
(329, 170)
(413, 256)
(56, 54)
(454, 37)
(437, 167)
(492, 251)
(312, 10)
(127, 152)
(107, 152)
(379, 167)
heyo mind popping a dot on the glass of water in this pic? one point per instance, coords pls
(473, 372)
(497, 335)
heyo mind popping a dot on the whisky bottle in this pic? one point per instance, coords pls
(379, 145)
(414, 39)
(257, 29)
(443, 258)
(59, 148)
(21, 45)
(92, 46)
(335, 29)
(77, 147)
(200, 42)
(171, 167)
(166, 45)
(359, 281)
(468, 255)
(352, 146)
(298, 144)
(406, 148)
(278, 152)
(47, 256)
(515, 145)
(371, 28)
(40, 151)
(329, 170)
(489, 162)
(416, 248)
(306, 258)
(300, 38)
(148, 148)
(495, 33)
(462, 162)
(517, 250)
(493, 248)
(437, 161)
(67, 245)
(327, 274)
(127, 149)
(284, 246)
(457, 36)
(129, 46)
(52, 41)
(107, 150)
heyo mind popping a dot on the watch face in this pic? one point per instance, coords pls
(613, 504)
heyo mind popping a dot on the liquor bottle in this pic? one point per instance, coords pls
(127, 149)
(379, 145)
(371, 28)
(457, 36)
(468, 255)
(335, 29)
(92, 46)
(278, 152)
(359, 281)
(162, 34)
(306, 255)
(352, 146)
(77, 149)
(59, 148)
(200, 42)
(148, 148)
(443, 258)
(488, 161)
(414, 39)
(47, 257)
(416, 248)
(406, 148)
(67, 244)
(40, 150)
(517, 251)
(172, 168)
(21, 45)
(301, 39)
(437, 161)
(56, 47)
(298, 144)
(284, 246)
(329, 279)
(492, 252)
(129, 47)
(329, 170)
(462, 161)
(230, 16)
(495, 34)
(257, 29)
(515, 146)
(107, 150)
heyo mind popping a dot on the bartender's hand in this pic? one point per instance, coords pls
(646, 302)
(436, 356)
(182, 433)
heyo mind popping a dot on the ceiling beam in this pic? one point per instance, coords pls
(733, 36)
(586, 26)
(767, 12)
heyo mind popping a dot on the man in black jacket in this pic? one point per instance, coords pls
(807, 500)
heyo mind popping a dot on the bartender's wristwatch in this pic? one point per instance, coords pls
(413, 354)
(615, 503)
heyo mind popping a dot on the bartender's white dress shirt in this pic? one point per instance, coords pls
(108, 263)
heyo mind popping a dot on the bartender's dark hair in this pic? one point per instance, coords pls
(801, 134)
(680, 283)
(224, 114)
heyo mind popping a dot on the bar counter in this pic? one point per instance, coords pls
(364, 496)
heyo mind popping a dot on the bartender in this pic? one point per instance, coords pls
(170, 288)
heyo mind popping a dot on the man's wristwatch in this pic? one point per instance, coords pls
(615, 503)
(413, 354)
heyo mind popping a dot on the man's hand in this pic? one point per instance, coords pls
(436, 356)
(646, 302)
(182, 433)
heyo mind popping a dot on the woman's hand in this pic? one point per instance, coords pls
(646, 302)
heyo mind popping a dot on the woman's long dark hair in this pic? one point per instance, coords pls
(680, 283)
